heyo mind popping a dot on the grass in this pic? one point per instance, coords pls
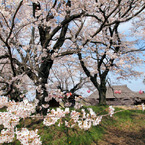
(126, 127)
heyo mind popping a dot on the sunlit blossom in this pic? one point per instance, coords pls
(3, 101)
(27, 137)
(111, 111)
(97, 120)
(86, 124)
(143, 107)
(6, 136)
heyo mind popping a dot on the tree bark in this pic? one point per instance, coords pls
(102, 94)
(43, 75)
(100, 87)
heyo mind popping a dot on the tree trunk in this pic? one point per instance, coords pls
(41, 97)
(102, 93)
(42, 93)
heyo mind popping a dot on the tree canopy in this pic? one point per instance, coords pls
(35, 34)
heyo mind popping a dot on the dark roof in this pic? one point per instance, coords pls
(125, 93)
(141, 96)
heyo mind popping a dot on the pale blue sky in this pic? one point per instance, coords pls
(134, 84)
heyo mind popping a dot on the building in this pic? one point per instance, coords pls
(119, 95)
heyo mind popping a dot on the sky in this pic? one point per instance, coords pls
(135, 84)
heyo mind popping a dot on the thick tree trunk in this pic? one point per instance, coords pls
(102, 93)
(102, 97)
(42, 93)
(41, 97)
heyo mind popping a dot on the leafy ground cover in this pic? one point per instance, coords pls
(124, 128)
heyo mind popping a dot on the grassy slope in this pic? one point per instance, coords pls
(127, 127)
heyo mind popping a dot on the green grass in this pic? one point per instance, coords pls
(54, 135)
(4, 109)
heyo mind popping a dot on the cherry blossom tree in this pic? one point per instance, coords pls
(33, 34)
(103, 48)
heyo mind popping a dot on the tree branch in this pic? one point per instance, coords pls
(63, 23)
(24, 68)
(13, 21)
(4, 56)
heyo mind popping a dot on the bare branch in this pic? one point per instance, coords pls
(4, 56)
(63, 23)
(5, 20)
(13, 21)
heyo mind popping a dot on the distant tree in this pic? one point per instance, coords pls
(69, 78)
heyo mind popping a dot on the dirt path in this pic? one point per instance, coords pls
(118, 137)
(129, 133)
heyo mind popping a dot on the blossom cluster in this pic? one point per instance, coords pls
(53, 116)
(11, 118)
(3, 101)
(22, 109)
(89, 119)
(7, 135)
(143, 107)
(83, 119)
(27, 137)
(111, 111)
(8, 120)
